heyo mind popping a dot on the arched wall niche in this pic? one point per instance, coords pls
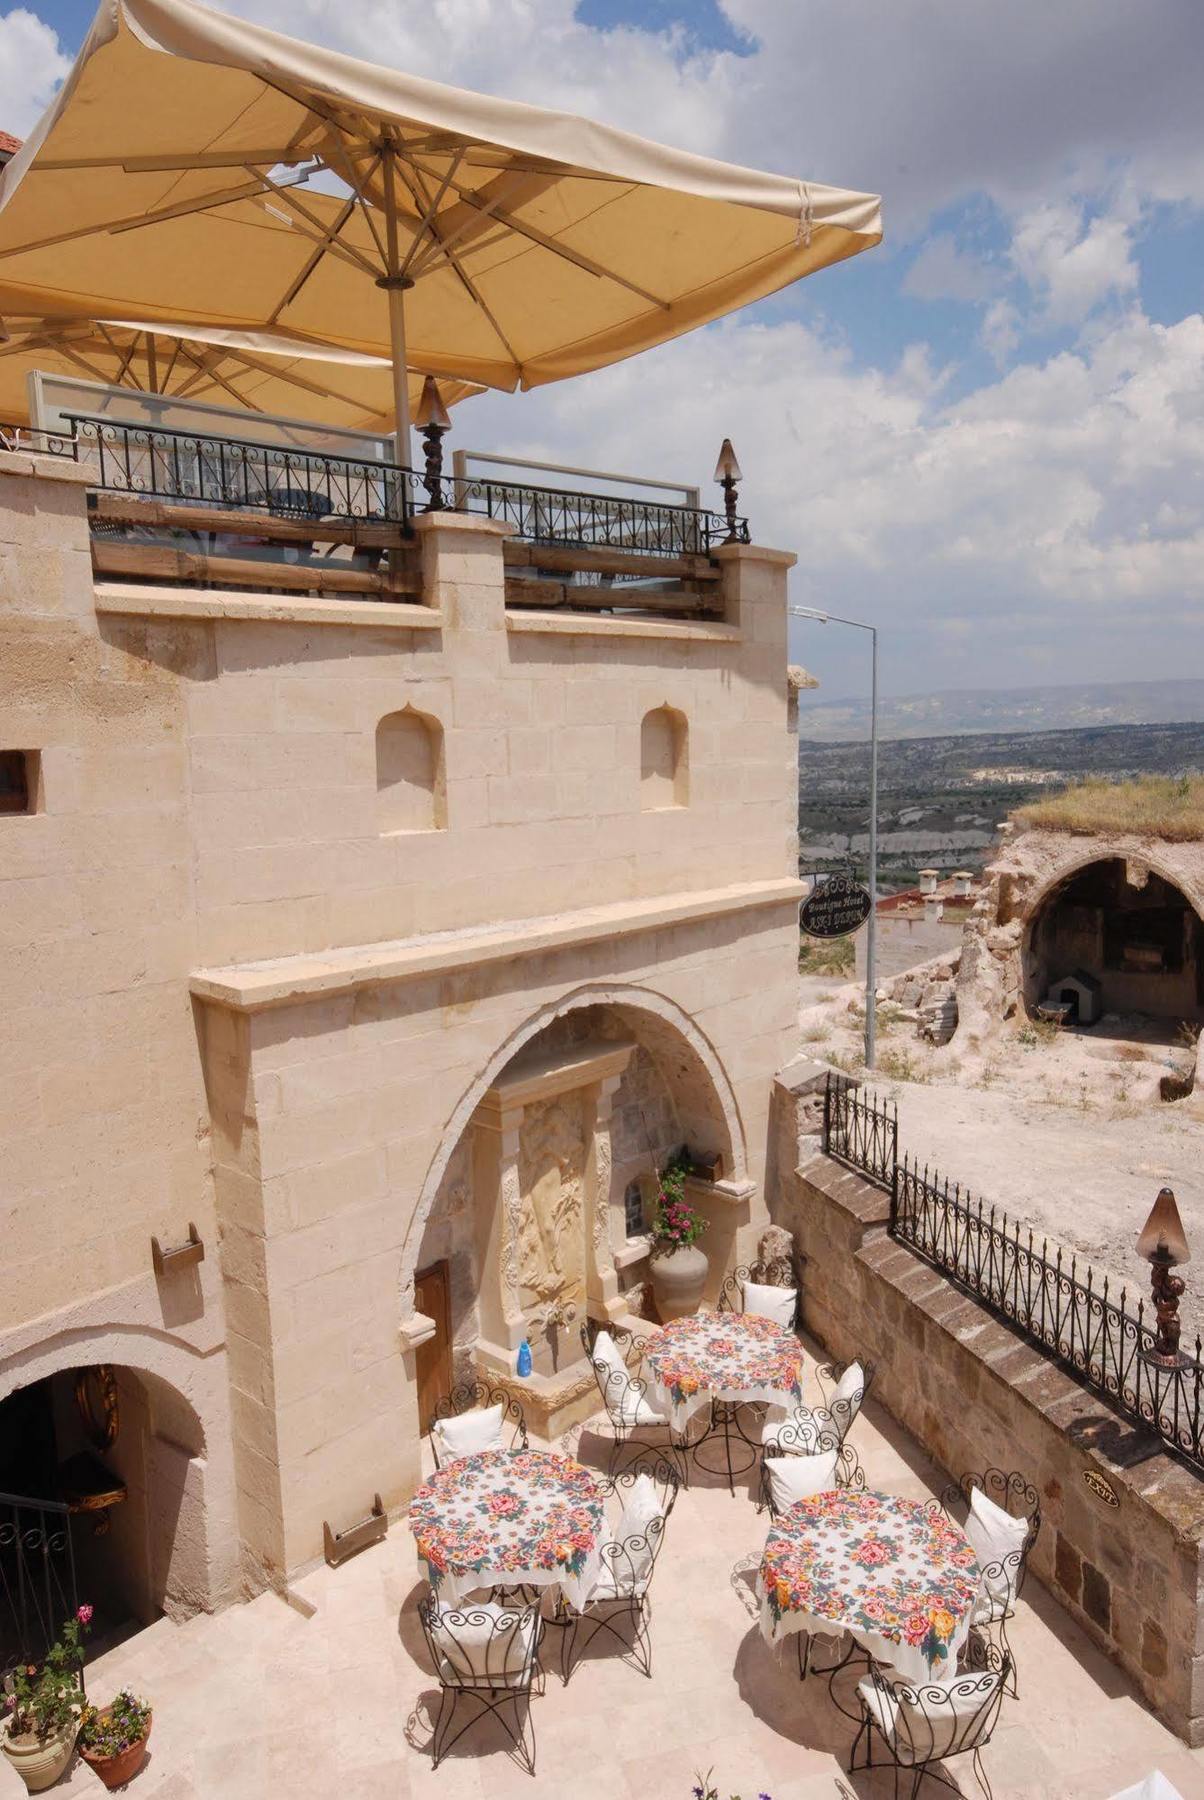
(669, 1046)
(411, 783)
(664, 759)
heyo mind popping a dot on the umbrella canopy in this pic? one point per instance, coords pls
(258, 371)
(173, 177)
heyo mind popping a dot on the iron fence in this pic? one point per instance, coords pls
(280, 479)
(37, 1577)
(1041, 1290)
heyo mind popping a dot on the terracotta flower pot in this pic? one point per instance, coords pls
(39, 1762)
(678, 1278)
(115, 1771)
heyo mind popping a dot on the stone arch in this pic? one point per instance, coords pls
(411, 783)
(664, 759)
(1100, 919)
(178, 1530)
(664, 1028)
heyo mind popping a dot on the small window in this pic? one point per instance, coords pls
(633, 1210)
(18, 781)
(410, 783)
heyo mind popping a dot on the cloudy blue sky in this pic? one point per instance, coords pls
(987, 435)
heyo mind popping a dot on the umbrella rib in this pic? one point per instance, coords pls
(215, 374)
(470, 287)
(320, 233)
(314, 260)
(426, 222)
(166, 165)
(224, 198)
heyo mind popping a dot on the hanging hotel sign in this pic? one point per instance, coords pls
(1101, 1487)
(834, 908)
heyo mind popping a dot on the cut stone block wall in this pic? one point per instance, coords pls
(974, 1393)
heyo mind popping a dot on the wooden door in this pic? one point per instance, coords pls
(432, 1297)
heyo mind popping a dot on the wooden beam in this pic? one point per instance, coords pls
(607, 561)
(164, 563)
(124, 509)
(572, 598)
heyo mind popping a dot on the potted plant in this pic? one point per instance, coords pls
(678, 1267)
(112, 1738)
(46, 1703)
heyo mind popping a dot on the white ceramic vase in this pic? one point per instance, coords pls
(678, 1278)
(39, 1764)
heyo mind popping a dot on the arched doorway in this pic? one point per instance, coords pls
(1116, 937)
(533, 1216)
(102, 1472)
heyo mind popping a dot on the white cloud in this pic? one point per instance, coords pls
(942, 271)
(1072, 264)
(31, 67)
(1056, 510)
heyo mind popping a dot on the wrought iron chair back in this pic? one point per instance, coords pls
(844, 1408)
(489, 1654)
(469, 1395)
(625, 1394)
(768, 1271)
(931, 1722)
(619, 1605)
(806, 1433)
(1002, 1578)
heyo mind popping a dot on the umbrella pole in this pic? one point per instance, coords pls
(395, 284)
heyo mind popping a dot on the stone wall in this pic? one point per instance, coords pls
(974, 1394)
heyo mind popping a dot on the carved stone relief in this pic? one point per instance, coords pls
(551, 1178)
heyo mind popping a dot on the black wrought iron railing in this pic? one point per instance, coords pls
(241, 474)
(280, 479)
(1042, 1291)
(37, 1577)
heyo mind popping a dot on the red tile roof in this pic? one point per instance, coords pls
(9, 145)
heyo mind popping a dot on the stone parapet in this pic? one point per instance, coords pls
(1119, 1546)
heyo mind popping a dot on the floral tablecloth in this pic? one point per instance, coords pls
(505, 1517)
(722, 1356)
(901, 1578)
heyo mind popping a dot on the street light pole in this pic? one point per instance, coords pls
(871, 941)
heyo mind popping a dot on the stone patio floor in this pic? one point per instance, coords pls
(259, 1701)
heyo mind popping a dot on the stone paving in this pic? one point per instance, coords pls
(260, 1701)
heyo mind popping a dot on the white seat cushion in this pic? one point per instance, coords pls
(479, 1652)
(795, 1478)
(776, 1303)
(995, 1535)
(843, 1399)
(480, 1429)
(625, 1404)
(935, 1729)
(633, 1565)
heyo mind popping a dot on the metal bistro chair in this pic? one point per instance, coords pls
(486, 1433)
(1002, 1552)
(805, 1436)
(920, 1727)
(625, 1395)
(768, 1272)
(619, 1603)
(488, 1654)
(850, 1384)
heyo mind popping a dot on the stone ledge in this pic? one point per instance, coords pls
(558, 624)
(780, 559)
(415, 1330)
(129, 600)
(288, 980)
(47, 468)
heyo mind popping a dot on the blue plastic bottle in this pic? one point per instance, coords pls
(524, 1358)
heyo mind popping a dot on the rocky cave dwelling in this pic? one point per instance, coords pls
(361, 962)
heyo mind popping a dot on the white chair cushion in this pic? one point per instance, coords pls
(625, 1405)
(478, 1653)
(994, 1535)
(795, 1478)
(928, 1732)
(642, 1509)
(851, 1383)
(480, 1429)
(776, 1303)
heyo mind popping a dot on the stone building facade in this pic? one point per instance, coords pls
(362, 937)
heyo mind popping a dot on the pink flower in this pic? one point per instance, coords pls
(84, 1614)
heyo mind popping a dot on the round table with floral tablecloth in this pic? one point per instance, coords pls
(897, 1575)
(724, 1361)
(510, 1518)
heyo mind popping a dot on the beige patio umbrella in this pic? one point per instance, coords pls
(185, 171)
(259, 371)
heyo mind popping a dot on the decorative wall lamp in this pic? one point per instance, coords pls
(1163, 1243)
(727, 473)
(433, 422)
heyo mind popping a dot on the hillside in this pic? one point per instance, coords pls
(1039, 709)
(942, 798)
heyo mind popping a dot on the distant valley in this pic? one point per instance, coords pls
(1031, 709)
(941, 798)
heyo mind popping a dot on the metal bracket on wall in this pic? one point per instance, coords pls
(180, 1256)
(339, 1545)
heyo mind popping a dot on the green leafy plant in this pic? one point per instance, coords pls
(47, 1698)
(705, 1789)
(108, 1730)
(675, 1222)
